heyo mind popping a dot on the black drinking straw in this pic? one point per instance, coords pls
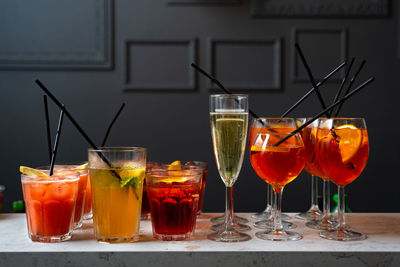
(56, 141)
(220, 85)
(303, 59)
(47, 124)
(343, 82)
(350, 85)
(111, 125)
(80, 130)
(326, 110)
(312, 89)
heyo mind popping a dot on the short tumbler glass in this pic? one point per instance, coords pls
(50, 205)
(174, 200)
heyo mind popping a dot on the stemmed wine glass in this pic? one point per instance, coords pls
(327, 221)
(312, 167)
(278, 165)
(270, 125)
(342, 151)
(229, 122)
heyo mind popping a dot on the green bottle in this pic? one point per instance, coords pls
(18, 206)
(336, 205)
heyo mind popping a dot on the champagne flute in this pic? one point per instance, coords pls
(342, 151)
(278, 166)
(229, 120)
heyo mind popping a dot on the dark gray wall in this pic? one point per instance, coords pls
(96, 54)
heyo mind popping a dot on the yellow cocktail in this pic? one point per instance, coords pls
(117, 194)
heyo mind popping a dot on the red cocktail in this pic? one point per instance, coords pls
(174, 198)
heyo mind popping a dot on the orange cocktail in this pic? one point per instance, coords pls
(342, 151)
(278, 165)
(83, 181)
(50, 205)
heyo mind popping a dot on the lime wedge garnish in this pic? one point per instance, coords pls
(133, 177)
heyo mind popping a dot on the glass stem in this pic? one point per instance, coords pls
(314, 192)
(278, 210)
(269, 199)
(326, 199)
(341, 208)
(229, 209)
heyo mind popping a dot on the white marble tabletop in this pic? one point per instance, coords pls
(382, 229)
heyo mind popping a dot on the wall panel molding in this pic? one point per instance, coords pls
(315, 8)
(52, 35)
(203, 2)
(296, 61)
(178, 60)
(243, 47)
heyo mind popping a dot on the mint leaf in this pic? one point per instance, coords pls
(135, 182)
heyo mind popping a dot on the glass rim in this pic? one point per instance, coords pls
(341, 118)
(118, 149)
(228, 95)
(182, 172)
(54, 178)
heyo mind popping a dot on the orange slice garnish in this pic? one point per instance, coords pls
(175, 166)
(350, 138)
(269, 149)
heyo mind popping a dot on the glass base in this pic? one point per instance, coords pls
(172, 237)
(286, 217)
(237, 226)
(310, 215)
(229, 236)
(117, 239)
(236, 219)
(279, 235)
(269, 224)
(342, 235)
(50, 239)
(325, 224)
(263, 215)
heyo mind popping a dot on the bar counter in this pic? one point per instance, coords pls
(381, 248)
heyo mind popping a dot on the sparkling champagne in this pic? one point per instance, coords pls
(229, 131)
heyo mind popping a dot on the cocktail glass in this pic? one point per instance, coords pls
(145, 211)
(229, 120)
(342, 151)
(87, 211)
(327, 221)
(278, 166)
(116, 176)
(50, 205)
(83, 178)
(203, 165)
(270, 125)
(174, 199)
(309, 136)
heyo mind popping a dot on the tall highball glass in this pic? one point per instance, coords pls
(229, 120)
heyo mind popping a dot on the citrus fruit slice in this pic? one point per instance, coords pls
(133, 177)
(175, 166)
(32, 172)
(82, 167)
(269, 149)
(350, 138)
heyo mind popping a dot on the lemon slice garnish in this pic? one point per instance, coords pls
(82, 167)
(175, 166)
(32, 172)
(350, 138)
